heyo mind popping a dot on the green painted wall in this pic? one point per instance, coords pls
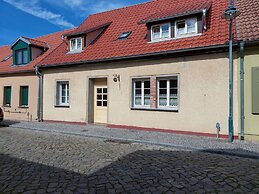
(21, 45)
(251, 120)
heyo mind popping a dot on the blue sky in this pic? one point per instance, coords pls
(32, 18)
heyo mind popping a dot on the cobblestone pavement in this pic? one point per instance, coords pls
(37, 162)
(206, 144)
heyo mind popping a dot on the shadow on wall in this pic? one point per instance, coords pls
(138, 172)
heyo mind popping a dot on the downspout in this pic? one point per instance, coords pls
(40, 102)
(242, 101)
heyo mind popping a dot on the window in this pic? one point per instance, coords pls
(62, 95)
(21, 57)
(161, 31)
(124, 35)
(186, 27)
(101, 97)
(7, 95)
(24, 96)
(141, 95)
(167, 89)
(76, 44)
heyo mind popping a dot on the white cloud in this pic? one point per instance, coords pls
(32, 7)
(73, 3)
(105, 6)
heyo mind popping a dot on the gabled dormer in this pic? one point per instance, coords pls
(80, 38)
(26, 49)
(177, 23)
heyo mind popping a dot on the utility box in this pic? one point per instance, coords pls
(255, 90)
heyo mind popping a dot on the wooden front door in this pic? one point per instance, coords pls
(100, 101)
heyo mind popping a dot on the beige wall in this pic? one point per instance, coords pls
(203, 93)
(15, 112)
(251, 120)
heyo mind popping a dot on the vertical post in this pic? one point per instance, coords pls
(230, 118)
(242, 101)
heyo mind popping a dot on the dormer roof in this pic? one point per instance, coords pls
(31, 41)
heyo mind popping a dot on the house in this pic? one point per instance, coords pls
(157, 65)
(248, 69)
(18, 80)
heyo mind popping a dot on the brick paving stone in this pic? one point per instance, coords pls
(38, 162)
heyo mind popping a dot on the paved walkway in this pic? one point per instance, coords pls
(35, 162)
(205, 144)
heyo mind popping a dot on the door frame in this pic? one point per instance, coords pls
(90, 96)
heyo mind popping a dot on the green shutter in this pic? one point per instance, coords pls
(255, 90)
(7, 95)
(24, 95)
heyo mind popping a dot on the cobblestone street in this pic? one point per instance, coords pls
(42, 162)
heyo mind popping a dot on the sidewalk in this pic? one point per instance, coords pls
(197, 143)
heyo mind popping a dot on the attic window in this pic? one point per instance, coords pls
(186, 27)
(161, 31)
(76, 44)
(124, 35)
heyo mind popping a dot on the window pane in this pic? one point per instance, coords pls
(105, 90)
(138, 84)
(104, 103)
(173, 83)
(25, 56)
(165, 31)
(180, 27)
(99, 90)
(162, 92)
(63, 99)
(146, 84)
(24, 95)
(191, 25)
(99, 103)
(79, 43)
(138, 100)
(162, 83)
(99, 97)
(73, 44)
(18, 57)
(138, 92)
(173, 101)
(7, 96)
(156, 32)
(162, 101)
(105, 97)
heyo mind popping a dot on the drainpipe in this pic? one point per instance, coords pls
(40, 103)
(242, 92)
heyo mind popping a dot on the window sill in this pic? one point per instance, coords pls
(62, 106)
(25, 107)
(155, 109)
(75, 51)
(7, 106)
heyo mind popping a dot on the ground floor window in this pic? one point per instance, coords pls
(62, 93)
(24, 96)
(7, 95)
(141, 93)
(167, 92)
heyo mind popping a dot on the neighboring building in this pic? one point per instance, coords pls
(161, 64)
(18, 81)
(248, 32)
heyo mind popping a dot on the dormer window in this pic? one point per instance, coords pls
(186, 27)
(21, 57)
(160, 32)
(76, 44)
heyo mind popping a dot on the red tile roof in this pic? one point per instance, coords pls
(248, 21)
(127, 19)
(191, 8)
(53, 40)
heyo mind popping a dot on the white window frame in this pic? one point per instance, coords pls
(160, 38)
(67, 93)
(142, 80)
(76, 49)
(168, 92)
(186, 34)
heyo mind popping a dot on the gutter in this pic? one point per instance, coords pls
(40, 95)
(180, 51)
(242, 92)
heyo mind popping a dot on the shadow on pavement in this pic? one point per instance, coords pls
(138, 172)
(8, 123)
